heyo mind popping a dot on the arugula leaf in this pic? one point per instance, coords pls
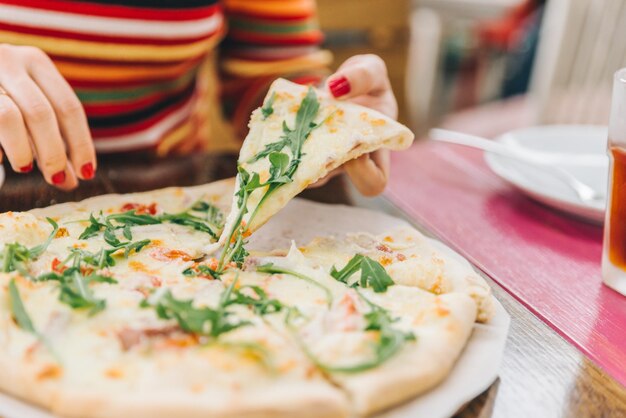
(110, 238)
(127, 232)
(212, 214)
(23, 320)
(131, 218)
(74, 282)
(373, 274)
(261, 304)
(209, 222)
(201, 270)
(14, 256)
(207, 321)
(273, 269)
(309, 107)
(18, 310)
(239, 253)
(279, 163)
(267, 109)
(234, 247)
(348, 270)
(94, 227)
(133, 246)
(390, 340)
(282, 171)
(270, 148)
(39, 249)
(294, 139)
(74, 288)
(76, 293)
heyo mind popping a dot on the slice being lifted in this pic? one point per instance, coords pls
(298, 137)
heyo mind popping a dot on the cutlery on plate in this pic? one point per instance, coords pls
(518, 153)
(543, 160)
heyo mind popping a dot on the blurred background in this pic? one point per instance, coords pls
(531, 61)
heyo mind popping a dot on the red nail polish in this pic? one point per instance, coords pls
(27, 168)
(339, 86)
(87, 171)
(59, 177)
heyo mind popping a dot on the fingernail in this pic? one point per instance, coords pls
(27, 168)
(87, 171)
(59, 177)
(339, 86)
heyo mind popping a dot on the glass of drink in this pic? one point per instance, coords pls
(614, 250)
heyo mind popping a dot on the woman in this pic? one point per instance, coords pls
(78, 77)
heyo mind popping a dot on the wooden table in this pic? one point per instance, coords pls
(541, 376)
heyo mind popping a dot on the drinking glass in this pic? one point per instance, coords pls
(614, 250)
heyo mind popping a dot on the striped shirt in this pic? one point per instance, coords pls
(145, 70)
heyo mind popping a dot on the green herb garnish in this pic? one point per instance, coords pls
(201, 270)
(201, 216)
(282, 170)
(273, 269)
(22, 318)
(18, 310)
(373, 274)
(267, 109)
(390, 340)
(260, 303)
(15, 256)
(348, 270)
(80, 271)
(211, 322)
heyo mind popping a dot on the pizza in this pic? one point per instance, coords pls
(151, 304)
(297, 137)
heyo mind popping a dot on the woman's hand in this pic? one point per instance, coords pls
(42, 120)
(363, 80)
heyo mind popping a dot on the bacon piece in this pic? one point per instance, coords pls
(140, 209)
(58, 266)
(130, 337)
(383, 248)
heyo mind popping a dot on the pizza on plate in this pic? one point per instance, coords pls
(150, 304)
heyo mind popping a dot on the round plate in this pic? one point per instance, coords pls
(542, 184)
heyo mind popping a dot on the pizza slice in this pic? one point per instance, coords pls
(381, 342)
(407, 256)
(298, 137)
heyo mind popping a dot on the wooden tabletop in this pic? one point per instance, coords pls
(542, 375)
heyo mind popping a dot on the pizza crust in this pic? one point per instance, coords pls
(442, 326)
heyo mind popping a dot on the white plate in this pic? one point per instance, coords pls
(475, 370)
(542, 184)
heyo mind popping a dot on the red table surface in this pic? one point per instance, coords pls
(548, 261)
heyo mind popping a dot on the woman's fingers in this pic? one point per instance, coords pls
(42, 125)
(71, 181)
(360, 75)
(14, 137)
(69, 113)
(369, 172)
(363, 79)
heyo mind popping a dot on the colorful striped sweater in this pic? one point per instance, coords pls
(145, 70)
